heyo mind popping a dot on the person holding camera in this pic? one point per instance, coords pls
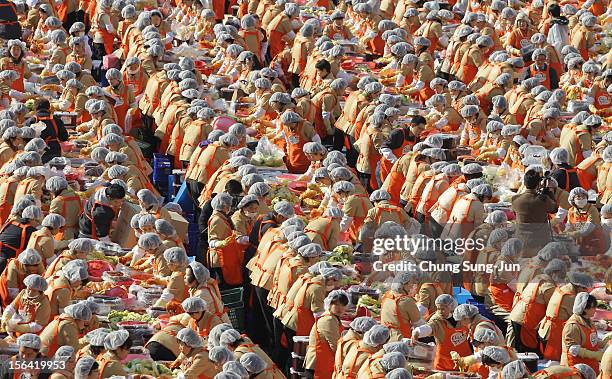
(532, 208)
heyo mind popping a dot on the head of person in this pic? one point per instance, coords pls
(195, 307)
(336, 302)
(585, 305)
(115, 193)
(464, 314)
(323, 68)
(445, 305)
(86, 368)
(579, 197)
(196, 275)
(30, 260)
(532, 179)
(29, 346)
(118, 343)
(80, 315)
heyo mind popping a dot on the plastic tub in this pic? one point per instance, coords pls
(107, 303)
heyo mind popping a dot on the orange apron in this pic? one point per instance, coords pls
(502, 295)
(455, 339)
(357, 222)
(297, 162)
(589, 344)
(534, 313)
(404, 328)
(231, 258)
(324, 365)
(305, 318)
(4, 291)
(322, 234)
(552, 350)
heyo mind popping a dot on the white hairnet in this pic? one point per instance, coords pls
(284, 208)
(585, 370)
(515, 370)
(176, 255)
(84, 245)
(496, 353)
(465, 311)
(220, 355)
(190, 338)
(391, 361)
(310, 250)
(512, 247)
(221, 202)
(253, 363)
(29, 340)
(377, 335)
(446, 299)
(165, 228)
(35, 282)
(335, 295)
(83, 367)
(380, 195)
(32, 212)
(399, 373)
(485, 335)
(362, 324)
(29, 257)
(78, 311)
(580, 303)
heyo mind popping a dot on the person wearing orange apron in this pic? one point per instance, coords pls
(580, 341)
(324, 336)
(224, 256)
(30, 310)
(100, 211)
(530, 307)
(29, 350)
(122, 93)
(104, 32)
(280, 29)
(66, 203)
(297, 132)
(12, 277)
(118, 348)
(449, 336)
(8, 186)
(501, 286)
(584, 223)
(134, 76)
(558, 311)
(398, 310)
(14, 61)
(355, 208)
(369, 144)
(203, 286)
(309, 300)
(65, 329)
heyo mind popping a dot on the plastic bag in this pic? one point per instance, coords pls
(267, 154)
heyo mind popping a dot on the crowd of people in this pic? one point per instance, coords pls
(404, 130)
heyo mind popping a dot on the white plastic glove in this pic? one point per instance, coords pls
(34, 327)
(422, 309)
(243, 240)
(166, 296)
(574, 350)
(441, 123)
(388, 154)
(212, 244)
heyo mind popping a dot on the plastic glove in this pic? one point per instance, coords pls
(243, 240)
(34, 327)
(11, 324)
(574, 350)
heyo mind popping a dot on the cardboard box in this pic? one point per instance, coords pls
(123, 234)
(181, 225)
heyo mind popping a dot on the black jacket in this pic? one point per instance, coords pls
(102, 216)
(51, 136)
(561, 175)
(10, 238)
